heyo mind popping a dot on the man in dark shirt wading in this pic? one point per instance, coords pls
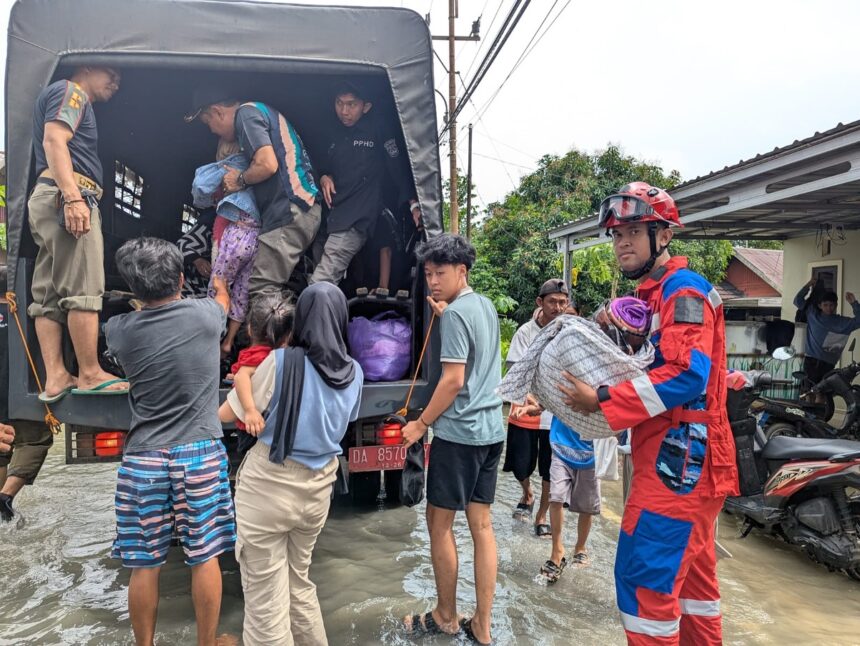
(281, 175)
(68, 277)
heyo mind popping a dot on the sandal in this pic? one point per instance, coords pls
(552, 572)
(581, 559)
(523, 510)
(425, 625)
(466, 626)
(543, 531)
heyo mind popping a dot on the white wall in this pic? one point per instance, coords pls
(801, 251)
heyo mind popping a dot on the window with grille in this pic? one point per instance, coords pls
(189, 218)
(128, 190)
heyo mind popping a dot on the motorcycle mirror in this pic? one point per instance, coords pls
(784, 353)
(799, 375)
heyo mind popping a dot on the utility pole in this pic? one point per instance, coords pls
(452, 100)
(469, 189)
(452, 107)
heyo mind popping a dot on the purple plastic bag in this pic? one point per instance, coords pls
(381, 345)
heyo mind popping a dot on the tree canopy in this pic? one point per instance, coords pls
(515, 254)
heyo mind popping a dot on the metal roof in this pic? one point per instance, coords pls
(809, 186)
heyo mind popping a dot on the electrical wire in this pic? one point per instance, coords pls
(507, 28)
(526, 52)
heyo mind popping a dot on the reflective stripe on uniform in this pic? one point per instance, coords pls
(715, 298)
(655, 322)
(650, 627)
(700, 608)
(648, 395)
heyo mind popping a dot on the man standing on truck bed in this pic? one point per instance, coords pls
(68, 278)
(280, 173)
(358, 159)
(468, 434)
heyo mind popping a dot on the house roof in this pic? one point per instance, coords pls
(764, 263)
(809, 186)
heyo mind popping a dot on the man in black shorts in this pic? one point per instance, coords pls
(468, 434)
(528, 436)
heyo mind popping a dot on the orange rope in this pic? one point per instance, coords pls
(405, 408)
(52, 422)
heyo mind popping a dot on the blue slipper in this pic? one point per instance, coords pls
(50, 399)
(101, 389)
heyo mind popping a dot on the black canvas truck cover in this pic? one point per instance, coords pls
(45, 36)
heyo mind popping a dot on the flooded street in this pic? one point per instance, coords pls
(59, 586)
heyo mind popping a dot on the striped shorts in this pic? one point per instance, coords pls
(185, 486)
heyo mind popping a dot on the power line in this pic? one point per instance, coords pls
(507, 28)
(489, 30)
(526, 52)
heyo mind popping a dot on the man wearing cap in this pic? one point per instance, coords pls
(63, 212)
(280, 173)
(528, 435)
(360, 157)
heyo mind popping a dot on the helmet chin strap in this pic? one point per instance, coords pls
(636, 274)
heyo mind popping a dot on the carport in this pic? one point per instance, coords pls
(808, 188)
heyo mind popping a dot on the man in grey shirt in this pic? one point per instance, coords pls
(174, 471)
(468, 435)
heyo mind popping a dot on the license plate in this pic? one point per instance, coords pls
(380, 458)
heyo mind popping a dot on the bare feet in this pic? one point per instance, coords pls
(226, 639)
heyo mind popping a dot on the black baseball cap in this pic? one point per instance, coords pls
(553, 286)
(204, 96)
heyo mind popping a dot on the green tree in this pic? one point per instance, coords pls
(513, 243)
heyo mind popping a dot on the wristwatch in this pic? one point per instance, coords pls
(241, 180)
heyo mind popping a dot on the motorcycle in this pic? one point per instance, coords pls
(808, 419)
(805, 490)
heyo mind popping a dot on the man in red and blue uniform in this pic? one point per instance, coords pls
(682, 447)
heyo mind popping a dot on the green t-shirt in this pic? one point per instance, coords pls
(470, 334)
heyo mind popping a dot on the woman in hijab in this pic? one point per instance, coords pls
(310, 391)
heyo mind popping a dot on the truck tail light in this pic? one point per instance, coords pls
(109, 443)
(389, 434)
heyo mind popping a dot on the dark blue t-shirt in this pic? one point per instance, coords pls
(67, 103)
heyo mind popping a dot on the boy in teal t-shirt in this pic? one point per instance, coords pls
(468, 435)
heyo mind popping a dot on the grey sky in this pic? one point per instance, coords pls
(692, 86)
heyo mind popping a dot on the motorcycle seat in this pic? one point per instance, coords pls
(804, 448)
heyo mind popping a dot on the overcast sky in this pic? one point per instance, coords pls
(693, 86)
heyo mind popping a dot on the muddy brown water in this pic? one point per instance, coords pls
(59, 586)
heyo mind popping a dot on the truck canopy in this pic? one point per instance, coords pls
(290, 56)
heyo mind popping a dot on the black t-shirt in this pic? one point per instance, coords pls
(253, 132)
(357, 161)
(67, 103)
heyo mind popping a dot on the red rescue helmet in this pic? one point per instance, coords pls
(638, 202)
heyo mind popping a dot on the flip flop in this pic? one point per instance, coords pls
(523, 510)
(50, 399)
(542, 531)
(581, 559)
(425, 625)
(552, 572)
(466, 625)
(101, 389)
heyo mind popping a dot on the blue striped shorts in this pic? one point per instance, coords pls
(185, 486)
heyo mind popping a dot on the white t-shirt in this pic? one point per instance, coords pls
(519, 344)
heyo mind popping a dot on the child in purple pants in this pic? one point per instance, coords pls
(233, 263)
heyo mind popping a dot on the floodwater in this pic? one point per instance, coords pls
(58, 585)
